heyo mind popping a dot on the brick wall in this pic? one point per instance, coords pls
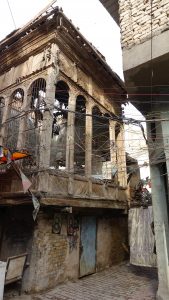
(52, 259)
(135, 20)
(55, 257)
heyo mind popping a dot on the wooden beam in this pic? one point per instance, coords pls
(111, 204)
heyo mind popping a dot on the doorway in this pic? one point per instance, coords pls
(88, 246)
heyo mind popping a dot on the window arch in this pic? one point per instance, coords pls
(13, 120)
(36, 105)
(62, 92)
(16, 100)
(36, 95)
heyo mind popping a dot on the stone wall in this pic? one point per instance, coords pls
(135, 20)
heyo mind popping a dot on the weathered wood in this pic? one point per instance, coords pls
(112, 125)
(88, 141)
(91, 203)
(70, 134)
(121, 158)
(5, 116)
(46, 133)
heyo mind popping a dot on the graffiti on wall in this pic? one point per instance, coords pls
(57, 224)
(72, 231)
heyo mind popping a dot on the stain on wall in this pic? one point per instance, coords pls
(52, 262)
(111, 234)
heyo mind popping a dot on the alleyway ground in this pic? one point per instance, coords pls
(121, 282)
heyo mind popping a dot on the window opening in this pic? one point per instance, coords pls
(101, 164)
(34, 119)
(38, 103)
(59, 127)
(80, 129)
(153, 130)
(13, 120)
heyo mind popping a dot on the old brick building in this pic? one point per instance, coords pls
(61, 102)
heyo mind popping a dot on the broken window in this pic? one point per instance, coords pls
(36, 108)
(59, 128)
(13, 120)
(101, 164)
(2, 105)
(80, 126)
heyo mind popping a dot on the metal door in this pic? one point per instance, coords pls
(88, 246)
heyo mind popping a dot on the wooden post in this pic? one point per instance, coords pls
(112, 125)
(4, 118)
(88, 141)
(70, 133)
(121, 158)
(46, 133)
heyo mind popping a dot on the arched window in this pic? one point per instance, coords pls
(13, 120)
(59, 128)
(2, 105)
(37, 104)
(37, 93)
(80, 126)
(101, 165)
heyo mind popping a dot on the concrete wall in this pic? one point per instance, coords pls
(135, 20)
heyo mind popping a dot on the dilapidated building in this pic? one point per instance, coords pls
(61, 103)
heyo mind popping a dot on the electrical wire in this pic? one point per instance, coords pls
(10, 9)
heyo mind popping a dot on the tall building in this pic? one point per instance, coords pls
(54, 108)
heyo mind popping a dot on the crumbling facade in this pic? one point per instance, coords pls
(61, 103)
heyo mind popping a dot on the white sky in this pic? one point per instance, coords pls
(90, 16)
(96, 25)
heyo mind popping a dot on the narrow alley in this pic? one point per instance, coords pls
(120, 282)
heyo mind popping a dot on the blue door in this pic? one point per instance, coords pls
(88, 246)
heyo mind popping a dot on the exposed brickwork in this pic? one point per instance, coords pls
(135, 20)
(51, 259)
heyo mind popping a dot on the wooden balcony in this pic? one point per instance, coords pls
(62, 189)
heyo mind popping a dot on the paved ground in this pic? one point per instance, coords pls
(120, 282)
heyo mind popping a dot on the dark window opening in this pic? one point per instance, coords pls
(153, 130)
(34, 118)
(38, 103)
(101, 164)
(80, 129)
(59, 127)
(13, 120)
